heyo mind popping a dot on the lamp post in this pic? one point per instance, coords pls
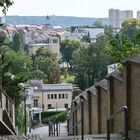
(25, 115)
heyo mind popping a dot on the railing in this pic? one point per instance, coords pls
(8, 105)
(82, 118)
(125, 110)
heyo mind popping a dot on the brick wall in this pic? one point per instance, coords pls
(116, 100)
(135, 96)
(103, 105)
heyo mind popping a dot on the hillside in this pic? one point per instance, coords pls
(54, 20)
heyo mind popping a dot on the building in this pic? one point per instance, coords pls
(93, 33)
(116, 17)
(52, 44)
(138, 14)
(52, 96)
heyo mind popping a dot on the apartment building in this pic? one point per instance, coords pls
(116, 17)
(138, 14)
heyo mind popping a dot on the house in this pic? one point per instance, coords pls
(49, 96)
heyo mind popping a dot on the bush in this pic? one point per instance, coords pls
(53, 117)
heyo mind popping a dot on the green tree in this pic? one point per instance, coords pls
(46, 61)
(98, 24)
(67, 47)
(108, 30)
(18, 42)
(5, 5)
(90, 62)
(16, 69)
(127, 41)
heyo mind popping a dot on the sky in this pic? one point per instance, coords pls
(78, 8)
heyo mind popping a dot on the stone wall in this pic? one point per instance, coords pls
(111, 94)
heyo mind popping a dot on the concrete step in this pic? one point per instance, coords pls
(86, 137)
(45, 137)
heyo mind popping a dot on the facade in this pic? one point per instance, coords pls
(53, 45)
(116, 17)
(138, 14)
(52, 96)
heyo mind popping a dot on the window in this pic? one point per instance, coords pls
(48, 96)
(62, 96)
(35, 102)
(49, 106)
(59, 96)
(55, 96)
(66, 96)
(66, 105)
(55, 40)
(51, 96)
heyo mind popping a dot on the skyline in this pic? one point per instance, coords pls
(77, 8)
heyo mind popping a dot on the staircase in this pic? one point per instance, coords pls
(45, 137)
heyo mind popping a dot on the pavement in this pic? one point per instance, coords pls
(43, 131)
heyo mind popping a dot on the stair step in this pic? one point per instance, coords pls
(45, 137)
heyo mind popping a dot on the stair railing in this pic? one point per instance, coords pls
(125, 110)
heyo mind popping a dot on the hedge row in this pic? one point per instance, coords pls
(54, 117)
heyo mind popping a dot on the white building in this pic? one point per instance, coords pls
(116, 17)
(51, 96)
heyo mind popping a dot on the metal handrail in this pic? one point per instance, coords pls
(81, 121)
(125, 110)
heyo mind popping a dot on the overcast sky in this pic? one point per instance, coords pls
(80, 8)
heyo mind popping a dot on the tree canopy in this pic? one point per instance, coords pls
(5, 5)
(67, 47)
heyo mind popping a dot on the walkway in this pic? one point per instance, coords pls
(44, 132)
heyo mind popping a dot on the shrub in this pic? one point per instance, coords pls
(54, 117)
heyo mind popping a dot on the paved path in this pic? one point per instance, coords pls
(44, 133)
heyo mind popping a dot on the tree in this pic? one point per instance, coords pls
(18, 42)
(108, 30)
(131, 29)
(91, 62)
(126, 42)
(98, 24)
(5, 5)
(46, 61)
(16, 69)
(67, 47)
(86, 38)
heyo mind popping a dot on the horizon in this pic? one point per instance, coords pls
(71, 8)
(55, 16)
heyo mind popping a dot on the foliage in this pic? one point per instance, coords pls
(122, 48)
(127, 41)
(86, 38)
(18, 42)
(98, 24)
(90, 62)
(108, 30)
(67, 47)
(5, 5)
(53, 117)
(20, 119)
(131, 29)
(68, 79)
(45, 60)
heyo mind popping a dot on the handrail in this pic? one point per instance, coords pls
(82, 118)
(125, 110)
